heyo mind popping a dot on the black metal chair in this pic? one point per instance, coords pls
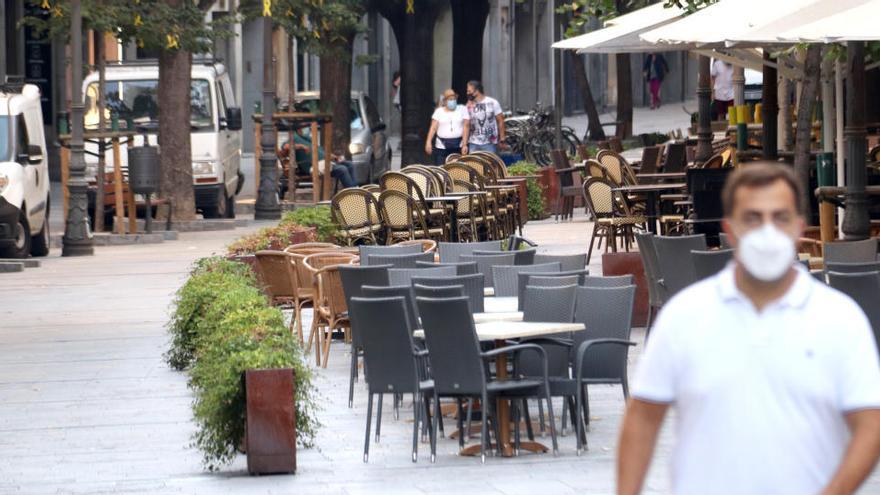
(439, 291)
(403, 276)
(523, 279)
(486, 262)
(364, 251)
(354, 278)
(403, 291)
(850, 251)
(601, 354)
(520, 257)
(708, 263)
(473, 287)
(537, 281)
(657, 294)
(504, 277)
(386, 333)
(675, 261)
(459, 367)
(567, 262)
(863, 288)
(461, 267)
(399, 260)
(450, 252)
(840, 267)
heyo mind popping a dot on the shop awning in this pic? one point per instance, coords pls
(621, 34)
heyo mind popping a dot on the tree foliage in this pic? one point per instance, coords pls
(152, 24)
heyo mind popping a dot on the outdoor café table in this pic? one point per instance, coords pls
(498, 316)
(652, 193)
(663, 175)
(500, 332)
(500, 304)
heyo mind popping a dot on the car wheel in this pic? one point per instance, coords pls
(217, 210)
(40, 242)
(21, 246)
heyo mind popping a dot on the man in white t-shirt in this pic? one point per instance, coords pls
(722, 88)
(487, 120)
(774, 376)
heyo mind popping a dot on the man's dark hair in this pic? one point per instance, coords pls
(476, 84)
(760, 174)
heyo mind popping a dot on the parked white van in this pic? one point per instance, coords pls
(24, 173)
(132, 93)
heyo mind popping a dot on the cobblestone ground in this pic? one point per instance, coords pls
(87, 404)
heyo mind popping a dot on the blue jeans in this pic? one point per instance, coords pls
(344, 171)
(491, 147)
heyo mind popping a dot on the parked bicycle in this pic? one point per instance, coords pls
(533, 134)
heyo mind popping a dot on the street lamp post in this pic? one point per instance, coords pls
(267, 207)
(856, 223)
(77, 240)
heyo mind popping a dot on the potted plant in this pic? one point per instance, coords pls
(535, 198)
(246, 369)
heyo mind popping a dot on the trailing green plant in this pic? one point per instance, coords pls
(209, 277)
(221, 326)
(277, 237)
(535, 196)
(318, 217)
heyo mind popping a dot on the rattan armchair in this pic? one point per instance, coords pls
(404, 219)
(611, 213)
(331, 310)
(356, 211)
(278, 276)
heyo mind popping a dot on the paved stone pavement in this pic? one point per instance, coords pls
(87, 404)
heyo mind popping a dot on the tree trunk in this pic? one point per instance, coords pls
(336, 92)
(624, 96)
(812, 67)
(468, 24)
(415, 42)
(174, 131)
(594, 126)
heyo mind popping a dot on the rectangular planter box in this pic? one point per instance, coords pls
(630, 264)
(271, 421)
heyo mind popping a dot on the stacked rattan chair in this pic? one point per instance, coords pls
(356, 211)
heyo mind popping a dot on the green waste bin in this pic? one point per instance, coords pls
(825, 172)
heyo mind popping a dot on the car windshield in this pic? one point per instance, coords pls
(5, 139)
(313, 106)
(138, 102)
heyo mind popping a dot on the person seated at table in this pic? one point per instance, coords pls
(342, 169)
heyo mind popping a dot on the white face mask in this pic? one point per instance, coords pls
(766, 253)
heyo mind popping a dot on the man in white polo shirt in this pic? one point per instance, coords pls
(773, 376)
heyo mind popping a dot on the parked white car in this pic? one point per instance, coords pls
(132, 93)
(24, 173)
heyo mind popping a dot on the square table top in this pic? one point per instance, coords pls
(500, 304)
(502, 330)
(498, 316)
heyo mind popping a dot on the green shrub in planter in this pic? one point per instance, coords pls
(535, 197)
(243, 340)
(209, 277)
(315, 216)
(221, 326)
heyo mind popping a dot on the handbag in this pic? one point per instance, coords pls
(451, 143)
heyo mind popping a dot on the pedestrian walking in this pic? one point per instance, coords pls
(487, 131)
(449, 130)
(722, 88)
(774, 376)
(654, 70)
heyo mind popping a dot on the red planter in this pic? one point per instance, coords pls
(271, 421)
(630, 264)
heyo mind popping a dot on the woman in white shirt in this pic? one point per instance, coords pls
(449, 129)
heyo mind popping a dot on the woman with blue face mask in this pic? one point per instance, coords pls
(449, 129)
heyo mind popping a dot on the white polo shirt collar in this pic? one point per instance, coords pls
(797, 295)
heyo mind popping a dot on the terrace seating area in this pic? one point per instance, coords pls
(497, 348)
(471, 198)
